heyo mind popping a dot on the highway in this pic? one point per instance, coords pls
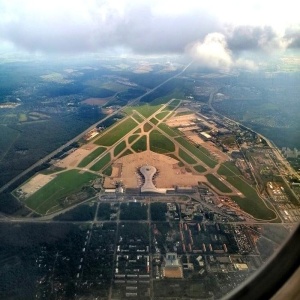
(50, 155)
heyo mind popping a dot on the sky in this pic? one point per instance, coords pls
(217, 33)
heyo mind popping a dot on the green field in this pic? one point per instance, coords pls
(254, 207)
(173, 104)
(138, 117)
(176, 93)
(60, 187)
(147, 127)
(140, 145)
(108, 171)
(200, 153)
(119, 148)
(132, 138)
(243, 186)
(145, 110)
(168, 130)
(88, 159)
(252, 203)
(186, 157)
(228, 169)
(200, 169)
(101, 163)
(159, 143)
(162, 115)
(116, 133)
(153, 121)
(218, 184)
(148, 110)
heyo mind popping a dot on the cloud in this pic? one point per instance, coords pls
(213, 52)
(219, 34)
(242, 63)
(101, 25)
(292, 37)
(253, 38)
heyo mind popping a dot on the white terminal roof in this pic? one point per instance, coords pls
(148, 172)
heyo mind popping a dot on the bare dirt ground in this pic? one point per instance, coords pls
(221, 156)
(181, 120)
(116, 170)
(35, 183)
(183, 109)
(188, 129)
(169, 172)
(73, 159)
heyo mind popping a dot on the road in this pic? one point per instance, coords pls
(50, 155)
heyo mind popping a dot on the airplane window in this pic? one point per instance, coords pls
(149, 150)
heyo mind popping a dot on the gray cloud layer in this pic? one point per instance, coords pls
(252, 38)
(136, 28)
